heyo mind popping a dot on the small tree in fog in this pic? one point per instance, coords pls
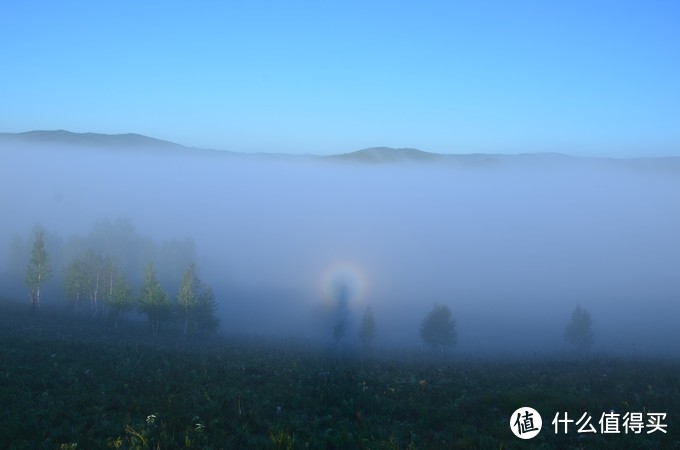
(579, 331)
(94, 266)
(438, 329)
(118, 296)
(152, 300)
(74, 283)
(367, 327)
(186, 297)
(206, 307)
(39, 269)
(196, 303)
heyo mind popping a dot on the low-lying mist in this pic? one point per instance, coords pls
(511, 249)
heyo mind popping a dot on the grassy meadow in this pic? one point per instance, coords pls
(69, 383)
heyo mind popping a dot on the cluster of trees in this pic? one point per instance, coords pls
(98, 283)
(117, 238)
(438, 329)
(366, 330)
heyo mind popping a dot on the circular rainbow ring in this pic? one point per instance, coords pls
(343, 274)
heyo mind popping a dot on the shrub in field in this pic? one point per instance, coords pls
(578, 331)
(438, 329)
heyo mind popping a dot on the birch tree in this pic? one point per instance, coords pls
(153, 301)
(118, 293)
(39, 269)
(93, 265)
(186, 297)
(74, 283)
(196, 303)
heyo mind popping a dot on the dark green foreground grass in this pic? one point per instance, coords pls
(75, 384)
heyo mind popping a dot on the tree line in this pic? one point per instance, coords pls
(95, 284)
(98, 282)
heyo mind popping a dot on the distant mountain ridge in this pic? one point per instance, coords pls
(64, 137)
(387, 154)
(378, 155)
(373, 155)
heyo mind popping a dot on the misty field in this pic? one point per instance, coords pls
(68, 383)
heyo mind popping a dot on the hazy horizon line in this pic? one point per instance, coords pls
(591, 155)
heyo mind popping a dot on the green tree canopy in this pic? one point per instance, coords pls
(438, 329)
(196, 303)
(75, 282)
(85, 277)
(152, 300)
(92, 276)
(206, 308)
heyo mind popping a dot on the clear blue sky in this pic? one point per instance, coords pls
(581, 77)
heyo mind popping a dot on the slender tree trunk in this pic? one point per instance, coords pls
(37, 297)
(31, 299)
(96, 293)
(186, 318)
(111, 292)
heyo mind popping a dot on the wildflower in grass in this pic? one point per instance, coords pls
(199, 426)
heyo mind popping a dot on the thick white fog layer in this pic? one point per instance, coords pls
(510, 248)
